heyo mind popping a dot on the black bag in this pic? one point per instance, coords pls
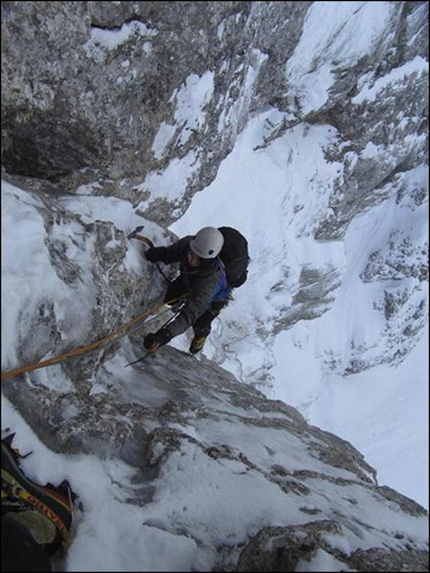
(234, 255)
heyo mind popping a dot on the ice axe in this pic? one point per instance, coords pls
(135, 235)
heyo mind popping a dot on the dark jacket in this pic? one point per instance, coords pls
(201, 282)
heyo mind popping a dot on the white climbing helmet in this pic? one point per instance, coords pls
(208, 242)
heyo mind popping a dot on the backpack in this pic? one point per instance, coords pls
(234, 255)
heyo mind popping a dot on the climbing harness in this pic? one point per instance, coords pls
(151, 352)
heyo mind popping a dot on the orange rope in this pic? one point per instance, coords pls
(83, 349)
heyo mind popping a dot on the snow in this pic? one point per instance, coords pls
(383, 412)
(102, 41)
(275, 195)
(325, 46)
(190, 100)
(300, 356)
(171, 183)
(418, 65)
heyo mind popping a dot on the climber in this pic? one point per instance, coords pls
(35, 520)
(202, 283)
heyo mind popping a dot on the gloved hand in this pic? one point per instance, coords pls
(217, 305)
(153, 341)
(153, 254)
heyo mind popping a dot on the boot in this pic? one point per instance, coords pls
(45, 511)
(197, 344)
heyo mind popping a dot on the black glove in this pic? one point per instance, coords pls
(153, 254)
(217, 305)
(153, 341)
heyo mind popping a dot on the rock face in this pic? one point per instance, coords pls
(286, 548)
(160, 412)
(108, 98)
(93, 91)
(94, 83)
(175, 412)
(122, 98)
